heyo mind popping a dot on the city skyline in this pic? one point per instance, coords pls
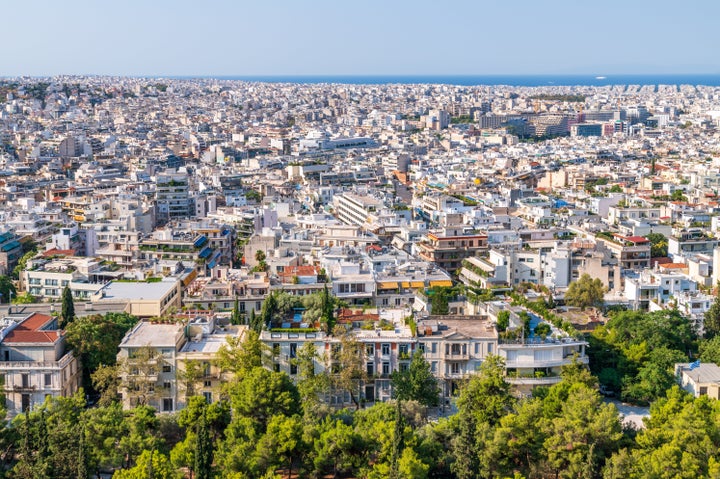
(322, 38)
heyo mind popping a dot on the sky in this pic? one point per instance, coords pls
(366, 37)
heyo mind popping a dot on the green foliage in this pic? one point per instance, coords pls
(635, 352)
(67, 313)
(96, 339)
(711, 323)
(658, 245)
(261, 394)
(503, 320)
(22, 263)
(585, 292)
(486, 396)
(417, 383)
(7, 289)
(150, 465)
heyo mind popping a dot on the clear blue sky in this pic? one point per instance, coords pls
(366, 37)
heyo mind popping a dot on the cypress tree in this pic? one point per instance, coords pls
(67, 313)
(204, 450)
(235, 318)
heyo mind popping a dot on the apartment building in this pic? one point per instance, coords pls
(34, 362)
(155, 359)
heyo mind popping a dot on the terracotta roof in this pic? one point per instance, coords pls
(674, 266)
(29, 330)
(59, 252)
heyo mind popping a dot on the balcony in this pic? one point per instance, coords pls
(544, 381)
(458, 356)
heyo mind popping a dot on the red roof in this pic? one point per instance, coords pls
(29, 330)
(636, 239)
(58, 252)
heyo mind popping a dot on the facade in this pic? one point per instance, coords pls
(172, 196)
(34, 362)
(155, 359)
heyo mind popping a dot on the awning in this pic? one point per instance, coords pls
(405, 284)
(417, 284)
(387, 285)
(444, 283)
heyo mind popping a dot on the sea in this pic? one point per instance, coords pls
(476, 80)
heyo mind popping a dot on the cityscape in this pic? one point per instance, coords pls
(381, 241)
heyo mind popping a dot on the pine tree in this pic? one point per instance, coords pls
(67, 313)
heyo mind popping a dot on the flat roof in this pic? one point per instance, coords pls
(138, 290)
(157, 335)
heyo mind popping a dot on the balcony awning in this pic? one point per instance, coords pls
(405, 284)
(417, 284)
(443, 283)
(205, 253)
(387, 285)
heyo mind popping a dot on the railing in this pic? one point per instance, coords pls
(533, 380)
(457, 356)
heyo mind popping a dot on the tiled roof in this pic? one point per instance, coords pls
(30, 331)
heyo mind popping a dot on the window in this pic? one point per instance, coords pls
(25, 402)
(455, 368)
(386, 368)
(403, 349)
(25, 378)
(370, 368)
(433, 348)
(167, 404)
(166, 384)
(370, 349)
(385, 349)
(166, 368)
(208, 397)
(48, 379)
(293, 350)
(276, 349)
(293, 369)
(433, 366)
(403, 367)
(490, 348)
(421, 347)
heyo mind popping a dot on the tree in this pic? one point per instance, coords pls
(261, 394)
(239, 355)
(139, 375)
(348, 364)
(267, 312)
(204, 450)
(486, 395)
(585, 292)
(7, 289)
(328, 310)
(503, 320)
(711, 323)
(416, 383)
(235, 317)
(67, 313)
(658, 244)
(150, 465)
(310, 383)
(22, 263)
(439, 299)
(95, 339)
